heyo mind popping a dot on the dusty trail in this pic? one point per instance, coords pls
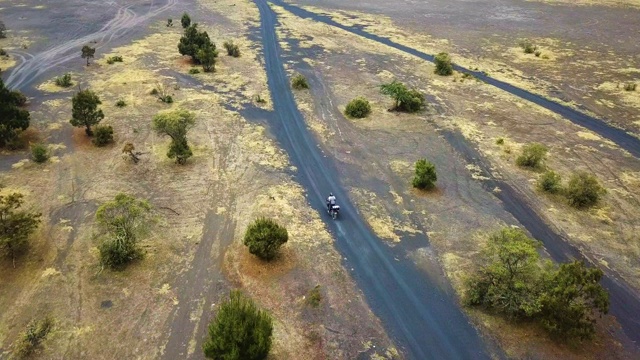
(425, 321)
(623, 139)
(31, 66)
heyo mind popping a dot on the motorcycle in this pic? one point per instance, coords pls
(334, 211)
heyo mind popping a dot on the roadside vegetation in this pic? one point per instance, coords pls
(515, 283)
(16, 226)
(406, 100)
(64, 81)
(443, 63)
(299, 82)
(264, 237)
(240, 331)
(358, 108)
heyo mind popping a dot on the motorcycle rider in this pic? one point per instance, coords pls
(331, 200)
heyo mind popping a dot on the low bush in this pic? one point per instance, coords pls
(3, 52)
(232, 49)
(169, 22)
(33, 336)
(500, 141)
(121, 103)
(528, 47)
(167, 99)
(264, 237)
(154, 91)
(407, 100)
(315, 297)
(194, 71)
(64, 80)
(550, 182)
(537, 53)
(39, 153)
(425, 176)
(532, 156)
(299, 82)
(583, 190)
(630, 87)
(443, 63)
(103, 135)
(114, 59)
(358, 108)
(239, 331)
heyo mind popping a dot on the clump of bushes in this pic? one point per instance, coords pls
(630, 87)
(33, 337)
(443, 63)
(315, 297)
(16, 225)
(39, 153)
(513, 282)
(194, 71)
(264, 237)
(239, 331)
(550, 182)
(114, 59)
(121, 103)
(299, 82)
(358, 108)
(583, 190)
(64, 80)
(532, 156)
(425, 176)
(103, 135)
(232, 49)
(500, 141)
(408, 100)
(169, 22)
(167, 99)
(528, 47)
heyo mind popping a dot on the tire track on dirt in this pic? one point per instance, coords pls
(33, 66)
(424, 320)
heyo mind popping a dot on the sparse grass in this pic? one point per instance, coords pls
(299, 82)
(194, 71)
(630, 87)
(64, 80)
(33, 337)
(121, 103)
(39, 153)
(154, 91)
(114, 59)
(358, 108)
(314, 297)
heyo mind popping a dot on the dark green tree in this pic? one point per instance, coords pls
(571, 298)
(508, 281)
(584, 190)
(425, 176)
(176, 124)
(533, 156)
(405, 99)
(88, 53)
(13, 119)
(206, 56)
(185, 20)
(443, 64)
(84, 111)
(240, 331)
(122, 220)
(264, 237)
(358, 108)
(192, 41)
(16, 225)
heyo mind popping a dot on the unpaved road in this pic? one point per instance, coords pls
(426, 322)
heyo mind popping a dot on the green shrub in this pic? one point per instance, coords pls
(232, 49)
(33, 336)
(425, 176)
(315, 297)
(121, 103)
(405, 99)
(194, 71)
(169, 22)
(299, 82)
(443, 64)
(240, 331)
(528, 47)
(185, 20)
(3, 52)
(64, 80)
(533, 156)
(154, 91)
(103, 135)
(630, 87)
(167, 99)
(583, 190)
(114, 59)
(358, 108)
(500, 141)
(550, 182)
(39, 153)
(264, 237)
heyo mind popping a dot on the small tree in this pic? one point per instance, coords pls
(85, 110)
(207, 55)
(192, 41)
(405, 99)
(583, 190)
(104, 135)
(443, 64)
(122, 220)
(15, 225)
(550, 182)
(240, 331)
(39, 153)
(570, 299)
(507, 282)
(3, 30)
(264, 237)
(232, 49)
(425, 177)
(533, 156)
(13, 119)
(358, 108)
(185, 20)
(88, 53)
(176, 124)
(299, 82)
